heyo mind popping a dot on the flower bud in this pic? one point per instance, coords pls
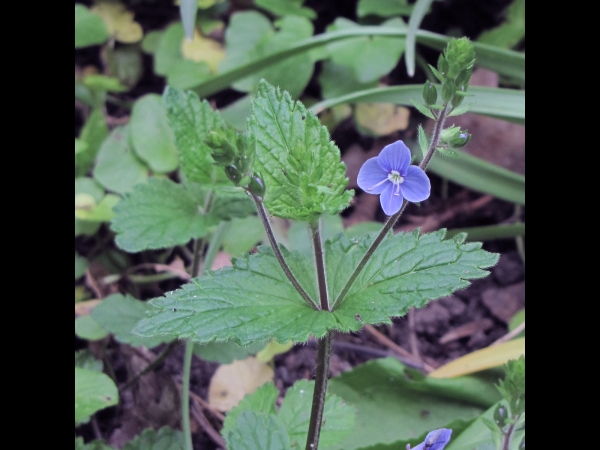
(257, 186)
(429, 93)
(460, 140)
(223, 151)
(233, 174)
(500, 415)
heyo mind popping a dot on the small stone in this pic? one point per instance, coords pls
(509, 269)
(504, 302)
(454, 305)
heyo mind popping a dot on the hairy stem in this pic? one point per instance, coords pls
(264, 217)
(507, 437)
(321, 379)
(439, 126)
(319, 264)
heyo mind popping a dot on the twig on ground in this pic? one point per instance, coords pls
(412, 334)
(384, 340)
(466, 330)
(509, 336)
(206, 425)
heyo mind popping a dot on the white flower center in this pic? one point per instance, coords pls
(394, 177)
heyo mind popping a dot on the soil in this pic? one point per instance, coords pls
(440, 332)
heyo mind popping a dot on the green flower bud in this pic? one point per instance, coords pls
(257, 186)
(460, 140)
(233, 174)
(223, 150)
(500, 416)
(429, 93)
(460, 56)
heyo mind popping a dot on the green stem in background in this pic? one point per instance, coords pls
(321, 379)
(264, 217)
(197, 269)
(439, 126)
(319, 264)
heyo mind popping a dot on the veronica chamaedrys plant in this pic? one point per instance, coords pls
(435, 440)
(391, 175)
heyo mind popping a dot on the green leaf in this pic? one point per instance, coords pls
(163, 439)
(101, 212)
(505, 104)
(286, 8)
(93, 391)
(86, 360)
(236, 113)
(337, 79)
(151, 135)
(420, 9)
(262, 400)
(151, 41)
(87, 328)
(118, 314)
(395, 407)
(88, 186)
(423, 109)
(186, 74)
(191, 120)
(423, 140)
(383, 8)
(251, 36)
(89, 28)
(81, 265)
(96, 444)
(368, 57)
(510, 32)
(93, 134)
(99, 82)
(117, 167)
(159, 214)
(338, 417)
(300, 165)
(256, 431)
(226, 352)
(505, 62)
(243, 235)
(126, 64)
(168, 51)
(254, 301)
(80, 146)
(299, 237)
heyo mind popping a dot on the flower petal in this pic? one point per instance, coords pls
(416, 186)
(370, 175)
(395, 156)
(437, 439)
(390, 202)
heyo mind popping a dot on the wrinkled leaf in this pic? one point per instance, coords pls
(299, 163)
(164, 439)
(255, 431)
(118, 314)
(262, 400)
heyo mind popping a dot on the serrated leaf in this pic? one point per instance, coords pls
(93, 391)
(89, 28)
(370, 57)
(159, 214)
(250, 36)
(423, 140)
(118, 314)
(256, 431)
(338, 417)
(300, 164)
(261, 401)
(253, 300)
(86, 360)
(423, 109)
(117, 167)
(226, 352)
(191, 120)
(97, 444)
(164, 439)
(151, 136)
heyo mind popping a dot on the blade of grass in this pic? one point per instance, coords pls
(419, 10)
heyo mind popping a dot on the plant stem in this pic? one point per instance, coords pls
(507, 437)
(185, 395)
(319, 264)
(439, 126)
(286, 269)
(321, 379)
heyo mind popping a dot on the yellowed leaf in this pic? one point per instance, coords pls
(119, 22)
(272, 349)
(231, 382)
(486, 358)
(85, 308)
(381, 119)
(202, 49)
(84, 201)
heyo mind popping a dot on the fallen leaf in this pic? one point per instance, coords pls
(380, 119)
(119, 22)
(85, 308)
(202, 49)
(231, 382)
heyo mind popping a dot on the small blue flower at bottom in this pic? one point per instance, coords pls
(391, 175)
(435, 440)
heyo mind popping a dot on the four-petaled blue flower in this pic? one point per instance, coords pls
(435, 440)
(391, 175)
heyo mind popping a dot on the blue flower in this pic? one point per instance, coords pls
(435, 440)
(391, 175)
